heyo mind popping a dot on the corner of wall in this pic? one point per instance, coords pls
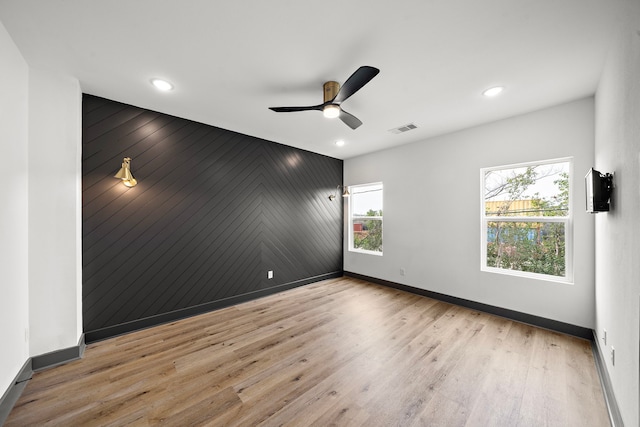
(54, 211)
(14, 292)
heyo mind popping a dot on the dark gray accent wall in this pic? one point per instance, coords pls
(213, 211)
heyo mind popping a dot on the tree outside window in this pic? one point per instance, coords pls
(526, 219)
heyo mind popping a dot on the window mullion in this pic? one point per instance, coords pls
(526, 218)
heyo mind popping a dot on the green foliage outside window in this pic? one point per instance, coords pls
(370, 238)
(532, 247)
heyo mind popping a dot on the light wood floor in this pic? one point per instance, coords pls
(339, 352)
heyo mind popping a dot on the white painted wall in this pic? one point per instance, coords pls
(14, 286)
(40, 213)
(432, 211)
(55, 211)
(617, 150)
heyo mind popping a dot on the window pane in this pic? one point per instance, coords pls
(366, 217)
(367, 235)
(535, 247)
(535, 190)
(366, 200)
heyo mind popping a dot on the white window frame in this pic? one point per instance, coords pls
(566, 220)
(352, 217)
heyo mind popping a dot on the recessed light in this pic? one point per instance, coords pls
(162, 85)
(493, 91)
(340, 143)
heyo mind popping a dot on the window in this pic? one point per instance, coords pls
(365, 218)
(526, 220)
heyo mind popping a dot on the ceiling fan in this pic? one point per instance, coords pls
(334, 95)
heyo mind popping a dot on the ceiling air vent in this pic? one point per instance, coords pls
(403, 128)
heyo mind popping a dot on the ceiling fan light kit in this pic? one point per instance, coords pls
(334, 95)
(331, 111)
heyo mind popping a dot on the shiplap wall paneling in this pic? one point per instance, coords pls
(213, 211)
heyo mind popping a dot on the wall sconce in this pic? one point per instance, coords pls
(125, 173)
(345, 193)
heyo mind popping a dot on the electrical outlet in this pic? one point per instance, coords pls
(270, 274)
(613, 356)
(402, 272)
(604, 336)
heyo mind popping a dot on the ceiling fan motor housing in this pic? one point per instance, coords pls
(330, 90)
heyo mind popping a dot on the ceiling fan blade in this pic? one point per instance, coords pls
(292, 109)
(354, 83)
(349, 119)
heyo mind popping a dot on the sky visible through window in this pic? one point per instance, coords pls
(544, 185)
(365, 198)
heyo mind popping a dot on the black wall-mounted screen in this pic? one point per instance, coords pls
(598, 191)
(212, 213)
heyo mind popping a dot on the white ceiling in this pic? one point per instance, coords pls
(230, 61)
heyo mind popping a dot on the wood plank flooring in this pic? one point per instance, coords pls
(341, 352)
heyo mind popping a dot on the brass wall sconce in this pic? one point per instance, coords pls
(125, 173)
(345, 193)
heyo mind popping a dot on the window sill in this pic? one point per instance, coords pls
(363, 251)
(527, 275)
